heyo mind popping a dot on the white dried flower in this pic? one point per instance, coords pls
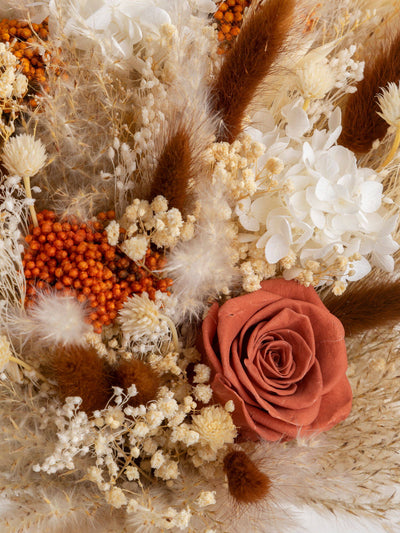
(116, 497)
(136, 247)
(132, 473)
(159, 205)
(214, 426)
(315, 78)
(112, 231)
(157, 460)
(168, 470)
(389, 103)
(140, 317)
(202, 373)
(203, 393)
(114, 417)
(206, 498)
(24, 156)
(229, 406)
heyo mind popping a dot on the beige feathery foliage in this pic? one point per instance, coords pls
(78, 121)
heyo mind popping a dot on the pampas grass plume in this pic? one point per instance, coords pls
(81, 372)
(247, 484)
(138, 373)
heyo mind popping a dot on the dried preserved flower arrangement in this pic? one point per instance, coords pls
(199, 234)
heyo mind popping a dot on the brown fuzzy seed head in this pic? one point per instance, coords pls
(80, 372)
(361, 123)
(173, 174)
(140, 374)
(246, 483)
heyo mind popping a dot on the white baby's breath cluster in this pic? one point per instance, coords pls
(128, 444)
(322, 220)
(153, 223)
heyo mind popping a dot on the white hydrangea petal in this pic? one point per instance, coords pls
(371, 196)
(276, 249)
(345, 158)
(324, 190)
(276, 223)
(345, 222)
(308, 154)
(318, 218)
(385, 262)
(346, 207)
(249, 223)
(261, 207)
(298, 201)
(298, 122)
(335, 119)
(386, 246)
(361, 268)
(327, 166)
(389, 225)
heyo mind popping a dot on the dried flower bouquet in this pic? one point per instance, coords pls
(199, 295)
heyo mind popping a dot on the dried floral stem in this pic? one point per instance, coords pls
(173, 330)
(393, 150)
(27, 185)
(26, 366)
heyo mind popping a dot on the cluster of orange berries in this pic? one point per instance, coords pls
(76, 258)
(229, 16)
(24, 39)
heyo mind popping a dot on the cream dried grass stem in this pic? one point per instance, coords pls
(27, 366)
(393, 150)
(27, 186)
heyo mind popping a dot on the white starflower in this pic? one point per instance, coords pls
(389, 103)
(24, 156)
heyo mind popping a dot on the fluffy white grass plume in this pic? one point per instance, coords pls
(24, 156)
(201, 268)
(52, 319)
(51, 510)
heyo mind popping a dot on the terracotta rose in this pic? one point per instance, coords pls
(280, 355)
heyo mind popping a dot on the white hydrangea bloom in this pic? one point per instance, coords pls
(325, 206)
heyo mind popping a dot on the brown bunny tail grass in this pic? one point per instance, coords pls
(81, 372)
(174, 171)
(256, 48)
(138, 373)
(366, 307)
(361, 123)
(247, 484)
